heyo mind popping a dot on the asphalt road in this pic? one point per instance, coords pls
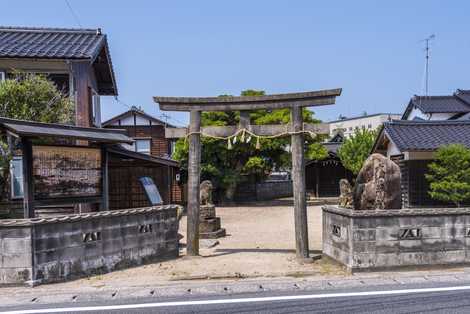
(436, 298)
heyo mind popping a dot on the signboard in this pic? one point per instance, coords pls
(151, 191)
(61, 171)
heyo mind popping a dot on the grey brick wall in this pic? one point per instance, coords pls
(61, 248)
(381, 239)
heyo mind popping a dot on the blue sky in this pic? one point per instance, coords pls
(371, 49)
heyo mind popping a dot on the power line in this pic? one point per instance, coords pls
(75, 16)
(122, 103)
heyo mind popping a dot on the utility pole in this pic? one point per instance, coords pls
(427, 40)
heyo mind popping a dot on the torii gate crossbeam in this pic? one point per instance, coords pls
(294, 101)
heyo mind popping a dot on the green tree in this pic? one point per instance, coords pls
(316, 151)
(30, 97)
(225, 167)
(449, 174)
(355, 149)
(33, 97)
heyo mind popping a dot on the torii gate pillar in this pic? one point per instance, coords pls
(194, 174)
(298, 178)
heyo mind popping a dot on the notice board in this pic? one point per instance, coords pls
(151, 191)
(62, 171)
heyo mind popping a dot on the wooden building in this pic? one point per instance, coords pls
(55, 169)
(322, 176)
(125, 169)
(412, 144)
(151, 152)
(76, 60)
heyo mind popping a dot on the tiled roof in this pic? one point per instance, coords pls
(463, 95)
(54, 43)
(65, 44)
(427, 135)
(440, 104)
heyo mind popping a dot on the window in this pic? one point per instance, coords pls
(172, 148)
(142, 146)
(16, 172)
(96, 108)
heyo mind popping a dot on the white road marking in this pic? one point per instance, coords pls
(231, 301)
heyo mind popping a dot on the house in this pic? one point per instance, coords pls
(76, 60)
(147, 131)
(412, 144)
(451, 107)
(347, 126)
(150, 154)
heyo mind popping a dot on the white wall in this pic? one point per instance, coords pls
(392, 150)
(370, 123)
(129, 120)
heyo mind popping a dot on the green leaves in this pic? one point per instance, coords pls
(317, 151)
(356, 149)
(33, 97)
(449, 174)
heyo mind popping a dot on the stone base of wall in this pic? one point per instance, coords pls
(384, 239)
(46, 250)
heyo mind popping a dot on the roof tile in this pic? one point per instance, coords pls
(427, 135)
(50, 43)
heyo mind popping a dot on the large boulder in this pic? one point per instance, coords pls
(378, 184)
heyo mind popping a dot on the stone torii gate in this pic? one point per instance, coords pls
(294, 101)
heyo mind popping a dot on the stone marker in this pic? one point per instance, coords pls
(378, 184)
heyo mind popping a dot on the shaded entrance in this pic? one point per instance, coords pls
(296, 129)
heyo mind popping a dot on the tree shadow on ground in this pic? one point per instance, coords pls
(221, 252)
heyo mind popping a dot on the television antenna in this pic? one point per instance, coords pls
(427, 40)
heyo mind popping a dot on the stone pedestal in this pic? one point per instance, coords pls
(209, 223)
(366, 240)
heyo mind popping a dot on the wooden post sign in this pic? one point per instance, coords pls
(66, 172)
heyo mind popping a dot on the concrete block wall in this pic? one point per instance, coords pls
(61, 248)
(16, 263)
(381, 239)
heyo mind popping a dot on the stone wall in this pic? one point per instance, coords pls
(382, 239)
(263, 191)
(55, 249)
